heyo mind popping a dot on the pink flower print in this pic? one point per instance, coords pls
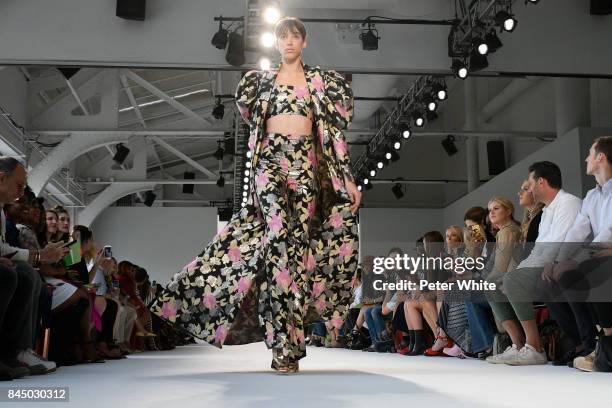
(262, 179)
(244, 284)
(269, 335)
(312, 157)
(264, 240)
(336, 220)
(275, 224)
(312, 207)
(210, 301)
(321, 133)
(252, 140)
(309, 262)
(301, 92)
(340, 146)
(336, 183)
(234, 254)
(192, 264)
(292, 183)
(294, 288)
(169, 310)
(285, 164)
(283, 279)
(291, 331)
(317, 289)
(220, 334)
(346, 249)
(320, 305)
(317, 82)
(264, 142)
(341, 110)
(300, 336)
(244, 111)
(337, 321)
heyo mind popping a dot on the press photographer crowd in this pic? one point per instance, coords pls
(63, 300)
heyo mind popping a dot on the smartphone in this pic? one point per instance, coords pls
(477, 232)
(107, 252)
(68, 244)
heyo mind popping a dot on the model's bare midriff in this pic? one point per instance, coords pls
(289, 124)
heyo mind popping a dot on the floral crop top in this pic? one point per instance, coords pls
(290, 100)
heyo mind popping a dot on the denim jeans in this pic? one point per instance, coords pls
(376, 324)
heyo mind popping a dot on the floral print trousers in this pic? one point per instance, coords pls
(271, 270)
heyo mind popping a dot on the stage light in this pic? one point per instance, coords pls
(245, 187)
(505, 20)
(235, 49)
(393, 156)
(493, 41)
(440, 91)
(366, 181)
(245, 180)
(249, 154)
(459, 69)
(478, 62)
(397, 191)
(121, 153)
(373, 173)
(397, 145)
(404, 130)
(359, 188)
(219, 152)
(418, 118)
(245, 194)
(149, 198)
(532, 1)
(221, 181)
(388, 155)
(380, 165)
(449, 145)
(481, 45)
(247, 173)
(243, 204)
(369, 38)
(432, 106)
(265, 63)
(271, 14)
(247, 165)
(219, 40)
(219, 110)
(267, 39)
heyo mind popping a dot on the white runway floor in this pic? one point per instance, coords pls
(239, 376)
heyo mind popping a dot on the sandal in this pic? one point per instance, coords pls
(284, 365)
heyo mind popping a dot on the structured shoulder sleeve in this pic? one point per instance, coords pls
(246, 94)
(339, 113)
(340, 97)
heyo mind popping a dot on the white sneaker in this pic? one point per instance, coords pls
(529, 356)
(30, 358)
(585, 363)
(510, 353)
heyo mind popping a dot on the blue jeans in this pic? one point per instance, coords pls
(481, 324)
(376, 324)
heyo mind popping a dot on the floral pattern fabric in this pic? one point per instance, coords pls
(226, 294)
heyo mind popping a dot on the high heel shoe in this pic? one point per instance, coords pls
(442, 342)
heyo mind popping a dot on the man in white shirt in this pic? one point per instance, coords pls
(563, 279)
(19, 286)
(520, 285)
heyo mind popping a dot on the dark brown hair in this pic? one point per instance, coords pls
(289, 24)
(603, 145)
(476, 214)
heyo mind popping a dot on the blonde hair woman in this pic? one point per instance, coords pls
(532, 214)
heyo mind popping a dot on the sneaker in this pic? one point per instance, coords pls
(529, 356)
(585, 363)
(30, 359)
(509, 354)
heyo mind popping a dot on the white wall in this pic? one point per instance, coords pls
(383, 228)
(13, 93)
(159, 239)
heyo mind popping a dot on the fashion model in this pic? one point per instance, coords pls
(288, 257)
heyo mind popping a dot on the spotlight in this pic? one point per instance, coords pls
(373, 173)
(481, 45)
(493, 41)
(405, 131)
(459, 69)
(121, 154)
(220, 181)
(478, 62)
(369, 38)
(505, 20)
(440, 91)
(247, 165)
(245, 194)
(265, 64)
(380, 164)
(247, 173)
(397, 145)
(366, 181)
(243, 204)
(417, 116)
(388, 155)
(149, 198)
(267, 39)
(219, 40)
(245, 180)
(220, 151)
(532, 1)
(449, 145)
(432, 106)
(235, 49)
(271, 14)
(359, 188)
(219, 110)
(245, 187)
(397, 191)
(393, 156)
(249, 154)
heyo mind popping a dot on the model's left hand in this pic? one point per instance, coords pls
(354, 194)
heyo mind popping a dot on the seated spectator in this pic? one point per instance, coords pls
(532, 214)
(63, 223)
(52, 231)
(520, 284)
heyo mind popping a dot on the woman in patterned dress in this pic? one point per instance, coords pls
(288, 257)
